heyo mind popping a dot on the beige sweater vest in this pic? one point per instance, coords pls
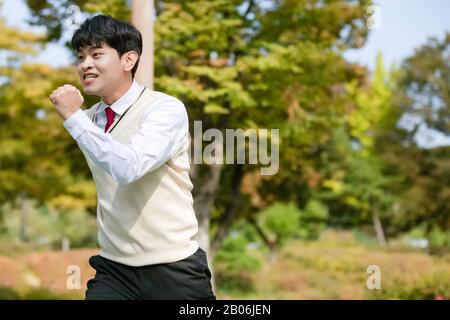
(152, 219)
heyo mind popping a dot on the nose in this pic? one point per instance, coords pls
(86, 64)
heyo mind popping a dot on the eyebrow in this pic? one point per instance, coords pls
(91, 48)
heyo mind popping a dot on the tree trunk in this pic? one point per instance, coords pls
(142, 17)
(2, 220)
(378, 228)
(23, 216)
(205, 192)
(272, 245)
(230, 211)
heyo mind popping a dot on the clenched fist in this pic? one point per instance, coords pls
(67, 100)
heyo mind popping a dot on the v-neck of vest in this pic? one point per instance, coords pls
(116, 122)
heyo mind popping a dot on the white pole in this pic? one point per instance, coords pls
(142, 17)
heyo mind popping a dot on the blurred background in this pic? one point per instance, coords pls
(360, 91)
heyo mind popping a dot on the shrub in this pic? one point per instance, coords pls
(432, 287)
(234, 264)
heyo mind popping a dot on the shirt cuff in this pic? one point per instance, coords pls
(78, 123)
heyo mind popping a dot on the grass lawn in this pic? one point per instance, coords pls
(333, 267)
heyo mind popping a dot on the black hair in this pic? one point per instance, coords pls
(121, 36)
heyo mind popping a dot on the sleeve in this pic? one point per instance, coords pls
(159, 137)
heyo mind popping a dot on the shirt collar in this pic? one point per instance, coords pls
(122, 104)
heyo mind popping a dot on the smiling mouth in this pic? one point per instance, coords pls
(90, 76)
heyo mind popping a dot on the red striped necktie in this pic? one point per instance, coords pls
(109, 117)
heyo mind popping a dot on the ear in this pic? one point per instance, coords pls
(129, 59)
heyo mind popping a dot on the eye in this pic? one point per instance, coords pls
(80, 58)
(96, 54)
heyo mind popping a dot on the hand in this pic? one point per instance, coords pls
(67, 100)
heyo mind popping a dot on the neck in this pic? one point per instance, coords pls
(118, 92)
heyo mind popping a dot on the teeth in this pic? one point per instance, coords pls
(90, 76)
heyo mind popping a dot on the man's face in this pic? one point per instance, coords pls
(100, 69)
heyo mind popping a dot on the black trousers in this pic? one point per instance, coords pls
(189, 278)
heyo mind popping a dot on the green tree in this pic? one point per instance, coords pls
(426, 85)
(422, 94)
(248, 64)
(36, 156)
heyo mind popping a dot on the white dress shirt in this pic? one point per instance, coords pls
(162, 132)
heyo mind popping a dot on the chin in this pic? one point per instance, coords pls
(91, 91)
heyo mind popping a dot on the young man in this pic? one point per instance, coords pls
(135, 142)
